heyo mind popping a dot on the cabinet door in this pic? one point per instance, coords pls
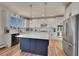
(75, 8)
(68, 11)
(38, 46)
(42, 47)
(33, 45)
(25, 44)
(65, 45)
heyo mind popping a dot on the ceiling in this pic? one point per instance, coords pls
(24, 9)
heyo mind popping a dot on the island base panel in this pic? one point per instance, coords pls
(36, 46)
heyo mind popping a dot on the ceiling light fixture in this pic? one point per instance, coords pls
(31, 11)
(30, 14)
(45, 4)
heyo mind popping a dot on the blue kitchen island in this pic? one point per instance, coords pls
(34, 42)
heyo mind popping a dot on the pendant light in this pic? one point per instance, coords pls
(45, 21)
(45, 4)
(31, 11)
(30, 14)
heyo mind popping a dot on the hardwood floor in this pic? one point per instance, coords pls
(54, 49)
(9, 51)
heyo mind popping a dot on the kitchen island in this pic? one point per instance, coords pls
(35, 42)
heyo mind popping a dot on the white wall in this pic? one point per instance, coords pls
(4, 23)
(1, 31)
(52, 22)
(5, 15)
(35, 23)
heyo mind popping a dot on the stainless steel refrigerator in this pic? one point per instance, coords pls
(70, 36)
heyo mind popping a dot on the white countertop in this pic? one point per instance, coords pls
(13, 31)
(37, 35)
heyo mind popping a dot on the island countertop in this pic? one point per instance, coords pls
(35, 35)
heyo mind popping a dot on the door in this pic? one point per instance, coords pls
(72, 30)
(71, 36)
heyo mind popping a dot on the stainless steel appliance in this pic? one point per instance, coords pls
(70, 35)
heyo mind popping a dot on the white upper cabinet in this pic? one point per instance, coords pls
(72, 9)
(68, 11)
(75, 8)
